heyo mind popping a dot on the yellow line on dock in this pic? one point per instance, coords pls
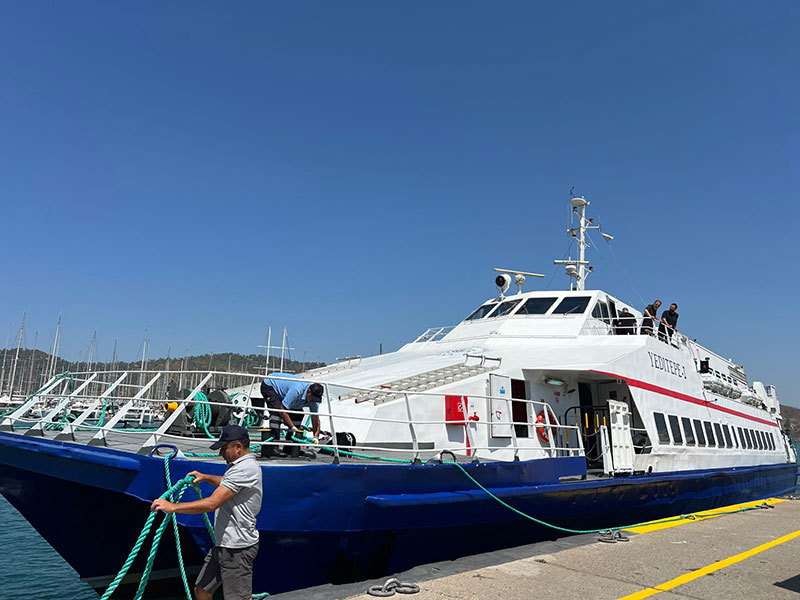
(720, 564)
(709, 514)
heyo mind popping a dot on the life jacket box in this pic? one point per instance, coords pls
(454, 409)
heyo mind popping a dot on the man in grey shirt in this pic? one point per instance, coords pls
(236, 501)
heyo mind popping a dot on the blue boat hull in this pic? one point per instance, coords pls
(334, 523)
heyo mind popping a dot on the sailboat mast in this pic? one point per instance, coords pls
(16, 357)
(31, 387)
(5, 353)
(269, 346)
(283, 347)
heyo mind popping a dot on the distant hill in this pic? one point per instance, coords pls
(238, 363)
(791, 420)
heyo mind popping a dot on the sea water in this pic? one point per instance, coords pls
(30, 568)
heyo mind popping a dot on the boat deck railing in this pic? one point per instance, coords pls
(122, 397)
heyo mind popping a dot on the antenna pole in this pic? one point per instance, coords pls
(581, 248)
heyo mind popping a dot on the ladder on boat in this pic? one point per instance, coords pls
(427, 380)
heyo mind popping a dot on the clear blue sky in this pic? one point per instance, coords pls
(354, 170)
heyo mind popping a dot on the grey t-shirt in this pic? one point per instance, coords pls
(235, 521)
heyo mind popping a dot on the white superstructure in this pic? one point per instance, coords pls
(642, 403)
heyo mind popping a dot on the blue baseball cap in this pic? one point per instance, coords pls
(232, 433)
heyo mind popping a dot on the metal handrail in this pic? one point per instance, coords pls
(332, 416)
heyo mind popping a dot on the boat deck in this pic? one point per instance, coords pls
(198, 447)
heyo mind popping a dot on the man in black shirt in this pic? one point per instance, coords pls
(669, 322)
(625, 323)
(650, 315)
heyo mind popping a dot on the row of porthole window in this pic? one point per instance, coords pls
(693, 432)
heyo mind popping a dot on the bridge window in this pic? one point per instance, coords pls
(676, 429)
(505, 308)
(728, 440)
(661, 428)
(536, 306)
(573, 305)
(698, 430)
(600, 311)
(687, 431)
(710, 434)
(482, 311)
(718, 431)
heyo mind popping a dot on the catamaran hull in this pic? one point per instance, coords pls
(334, 523)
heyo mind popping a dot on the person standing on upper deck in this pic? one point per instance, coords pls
(625, 323)
(290, 393)
(650, 314)
(669, 323)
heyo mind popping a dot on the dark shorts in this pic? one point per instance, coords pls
(231, 568)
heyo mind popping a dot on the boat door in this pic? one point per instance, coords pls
(589, 420)
(500, 405)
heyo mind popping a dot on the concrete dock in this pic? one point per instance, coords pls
(748, 555)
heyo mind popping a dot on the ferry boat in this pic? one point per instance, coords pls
(541, 397)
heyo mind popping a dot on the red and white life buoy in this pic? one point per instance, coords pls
(542, 428)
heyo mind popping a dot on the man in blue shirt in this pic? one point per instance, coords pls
(283, 392)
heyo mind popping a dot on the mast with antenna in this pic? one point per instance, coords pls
(578, 270)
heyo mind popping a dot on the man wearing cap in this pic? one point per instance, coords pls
(283, 392)
(237, 501)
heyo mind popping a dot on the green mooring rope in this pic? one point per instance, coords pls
(568, 530)
(402, 461)
(174, 493)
